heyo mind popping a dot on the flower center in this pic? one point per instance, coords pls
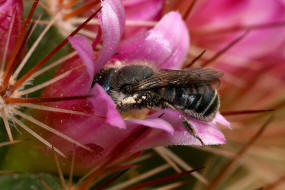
(5, 106)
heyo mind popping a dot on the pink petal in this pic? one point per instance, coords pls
(138, 10)
(76, 83)
(220, 119)
(88, 130)
(132, 2)
(208, 131)
(7, 9)
(152, 123)
(165, 45)
(143, 10)
(211, 15)
(105, 106)
(120, 12)
(84, 48)
(112, 22)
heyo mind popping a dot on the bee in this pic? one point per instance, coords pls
(191, 92)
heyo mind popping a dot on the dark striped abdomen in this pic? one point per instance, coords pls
(199, 102)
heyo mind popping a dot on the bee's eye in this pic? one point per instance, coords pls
(127, 88)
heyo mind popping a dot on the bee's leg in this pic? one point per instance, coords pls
(186, 123)
(192, 131)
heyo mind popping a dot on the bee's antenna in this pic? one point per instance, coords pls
(226, 48)
(195, 59)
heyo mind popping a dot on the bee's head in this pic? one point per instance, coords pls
(103, 78)
(129, 75)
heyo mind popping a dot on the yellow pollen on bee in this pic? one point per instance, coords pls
(129, 100)
(133, 114)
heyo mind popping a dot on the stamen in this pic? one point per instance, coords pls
(35, 45)
(168, 160)
(6, 124)
(135, 23)
(242, 112)
(108, 182)
(41, 4)
(33, 26)
(71, 168)
(9, 71)
(41, 22)
(60, 173)
(37, 136)
(240, 153)
(140, 158)
(122, 167)
(160, 180)
(8, 41)
(20, 40)
(116, 153)
(60, 110)
(53, 65)
(11, 100)
(225, 49)
(140, 177)
(81, 9)
(183, 164)
(87, 33)
(216, 151)
(50, 129)
(89, 173)
(49, 82)
(54, 51)
(46, 186)
(78, 20)
(171, 186)
(9, 143)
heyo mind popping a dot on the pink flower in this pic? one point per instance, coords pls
(161, 46)
(11, 24)
(10, 29)
(68, 118)
(214, 24)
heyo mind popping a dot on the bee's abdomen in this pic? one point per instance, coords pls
(199, 103)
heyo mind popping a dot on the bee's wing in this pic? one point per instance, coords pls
(183, 78)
